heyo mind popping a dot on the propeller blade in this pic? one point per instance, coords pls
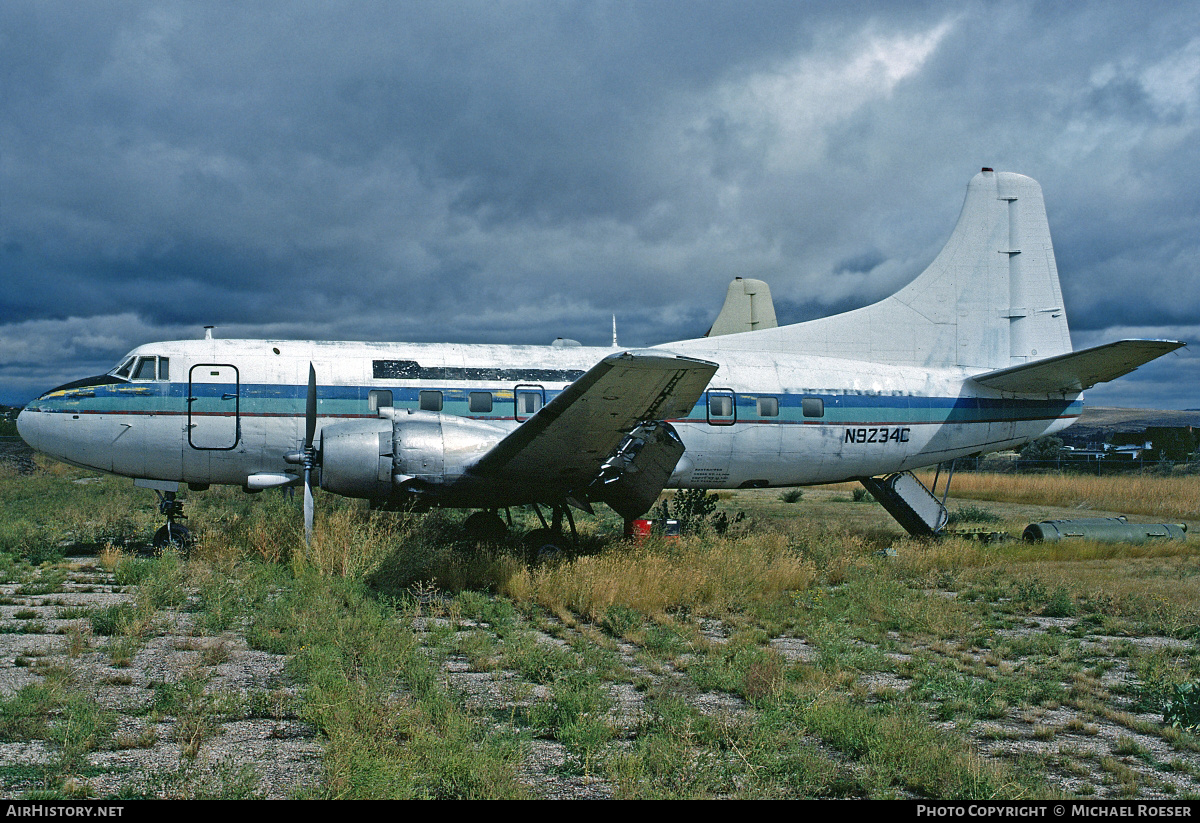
(310, 453)
(308, 508)
(310, 408)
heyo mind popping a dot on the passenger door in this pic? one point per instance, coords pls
(214, 406)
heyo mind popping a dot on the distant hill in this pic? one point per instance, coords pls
(1099, 422)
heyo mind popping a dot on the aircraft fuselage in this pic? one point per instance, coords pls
(218, 411)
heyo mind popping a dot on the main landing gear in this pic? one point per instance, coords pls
(548, 543)
(173, 535)
(486, 526)
(541, 545)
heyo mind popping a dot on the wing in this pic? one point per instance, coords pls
(566, 443)
(1077, 371)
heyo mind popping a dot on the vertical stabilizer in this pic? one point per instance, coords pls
(748, 307)
(989, 300)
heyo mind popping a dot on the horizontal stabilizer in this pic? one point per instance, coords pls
(1077, 371)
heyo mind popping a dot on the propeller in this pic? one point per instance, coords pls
(309, 454)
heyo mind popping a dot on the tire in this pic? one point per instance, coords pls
(544, 546)
(173, 536)
(485, 526)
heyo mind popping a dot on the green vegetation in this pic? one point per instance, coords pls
(783, 654)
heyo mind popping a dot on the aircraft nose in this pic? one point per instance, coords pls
(28, 428)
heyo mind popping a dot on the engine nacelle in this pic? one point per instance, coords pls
(412, 449)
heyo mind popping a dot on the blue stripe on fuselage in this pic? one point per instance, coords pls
(268, 399)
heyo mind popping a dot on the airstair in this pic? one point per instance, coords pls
(907, 499)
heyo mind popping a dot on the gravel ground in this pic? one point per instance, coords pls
(148, 752)
(267, 751)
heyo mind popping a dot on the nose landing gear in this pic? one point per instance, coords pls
(173, 535)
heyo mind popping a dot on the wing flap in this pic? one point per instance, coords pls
(565, 444)
(1077, 371)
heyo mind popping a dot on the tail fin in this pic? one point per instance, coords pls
(748, 307)
(989, 300)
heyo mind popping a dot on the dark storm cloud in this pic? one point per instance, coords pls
(512, 172)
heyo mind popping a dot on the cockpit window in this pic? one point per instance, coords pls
(149, 368)
(145, 369)
(123, 369)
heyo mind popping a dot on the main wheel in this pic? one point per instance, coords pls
(545, 546)
(486, 526)
(173, 536)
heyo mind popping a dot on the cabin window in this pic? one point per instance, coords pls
(768, 407)
(721, 407)
(528, 402)
(813, 407)
(479, 401)
(431, 401)
(378, 399)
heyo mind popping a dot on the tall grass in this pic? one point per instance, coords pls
(708, 575)
(1171, 496)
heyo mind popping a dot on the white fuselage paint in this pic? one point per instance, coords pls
(877, 418)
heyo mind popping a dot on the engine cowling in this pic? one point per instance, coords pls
(414, 450)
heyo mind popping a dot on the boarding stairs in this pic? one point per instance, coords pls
(907, 499)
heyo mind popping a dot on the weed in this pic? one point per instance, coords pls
(112, 620)
(972, 514)
(276, 704)
(222, 780)
(495, 612)
(24, 716)
(575, 713)
(620, 621)
(692, 508)
(145, 738)
(1183, 707)
(215, 654)
(535, 659)
(48, 582)
(1059, 603)
(81, 726)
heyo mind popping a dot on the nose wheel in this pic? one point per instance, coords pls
(173, 535)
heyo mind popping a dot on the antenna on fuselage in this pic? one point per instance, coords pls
(208, 332)
(615, 344)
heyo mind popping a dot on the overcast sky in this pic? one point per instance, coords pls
(515, 172)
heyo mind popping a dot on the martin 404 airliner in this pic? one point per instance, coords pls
(973, 356)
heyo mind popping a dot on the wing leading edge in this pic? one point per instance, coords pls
(1077, 371)
(565, 445)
